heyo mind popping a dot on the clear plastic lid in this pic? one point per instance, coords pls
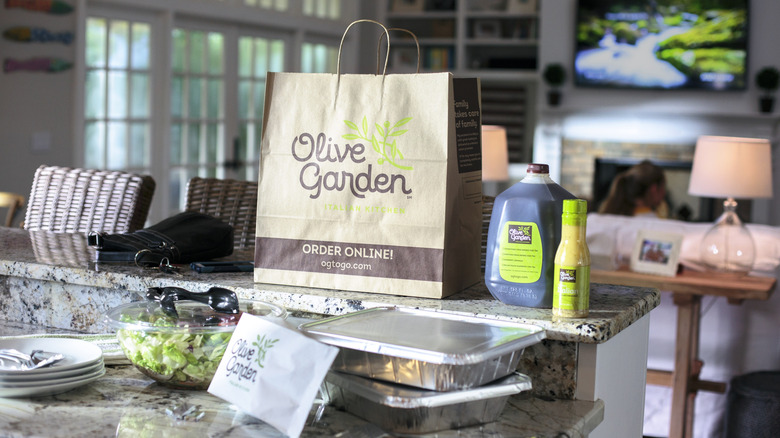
(193, 317)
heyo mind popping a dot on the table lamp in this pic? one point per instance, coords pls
(495, 157)
(730, 167)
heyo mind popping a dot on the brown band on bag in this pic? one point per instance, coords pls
(344, 258)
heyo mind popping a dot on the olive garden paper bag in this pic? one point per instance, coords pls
(370, 183)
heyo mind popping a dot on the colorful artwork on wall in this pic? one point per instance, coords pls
(37, 35)
(48, 65)
(56, 7)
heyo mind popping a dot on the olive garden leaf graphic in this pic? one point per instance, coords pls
(263, 345)
(389, 152)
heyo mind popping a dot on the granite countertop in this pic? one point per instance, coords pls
(65, 258)
(126, 403)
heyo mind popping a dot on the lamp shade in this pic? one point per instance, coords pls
(731, 167)
(495, 157)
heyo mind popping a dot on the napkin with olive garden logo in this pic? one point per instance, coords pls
(272, 372)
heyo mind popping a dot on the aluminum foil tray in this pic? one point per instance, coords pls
(403, 409)
(425, 349)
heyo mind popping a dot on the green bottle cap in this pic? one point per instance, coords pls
(575, 206)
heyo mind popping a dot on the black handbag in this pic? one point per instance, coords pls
(186, 237)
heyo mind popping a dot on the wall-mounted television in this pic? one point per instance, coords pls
(662, 44)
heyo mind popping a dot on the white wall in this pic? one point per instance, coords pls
(34, 103)
(656, 116)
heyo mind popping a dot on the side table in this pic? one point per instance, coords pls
(687, 288)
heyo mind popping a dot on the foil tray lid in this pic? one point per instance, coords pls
(406, 397)
(428, 336)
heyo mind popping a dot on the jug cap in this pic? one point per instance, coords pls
(538, 168)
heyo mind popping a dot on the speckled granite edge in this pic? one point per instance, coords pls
(64, 258)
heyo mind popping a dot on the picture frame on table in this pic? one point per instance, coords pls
(656, 252)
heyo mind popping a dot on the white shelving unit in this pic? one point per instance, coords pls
(473, 38)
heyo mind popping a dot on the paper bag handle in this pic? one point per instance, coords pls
(379, 43)
(364, 20)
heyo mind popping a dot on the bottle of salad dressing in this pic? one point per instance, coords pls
(524, 231)
(571, 293)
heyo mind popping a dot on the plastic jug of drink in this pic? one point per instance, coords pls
(523, 236)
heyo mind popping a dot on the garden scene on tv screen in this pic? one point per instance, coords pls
(659, 44)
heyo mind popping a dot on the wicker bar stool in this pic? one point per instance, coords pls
(74, 200)
(232, 201)
(12, 202)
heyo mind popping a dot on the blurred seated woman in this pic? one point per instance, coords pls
(638, 191)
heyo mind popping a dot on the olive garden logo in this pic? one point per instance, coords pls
(325, 160)
(389, 151)
(520, 234)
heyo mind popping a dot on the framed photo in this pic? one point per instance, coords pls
(656, 252)
(487, 29)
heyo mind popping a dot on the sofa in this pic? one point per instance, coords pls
(734, 339)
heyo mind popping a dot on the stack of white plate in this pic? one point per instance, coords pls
(82, 364)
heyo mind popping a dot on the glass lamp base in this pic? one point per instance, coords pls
(728, 247)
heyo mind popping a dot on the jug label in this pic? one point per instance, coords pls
(520, 252)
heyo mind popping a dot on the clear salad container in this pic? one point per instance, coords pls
(180, 351)
(406, 410)
(425, 349)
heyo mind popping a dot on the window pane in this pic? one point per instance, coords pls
(320, 58)
(140, 95)
(95, 90)
(244, 89)
(96, 42)
(307, 58)
(140, 52)
(215, 53)
(245, 56)
(193, 143)
(117, 94)
(334, 11)
(259, 98)
(197, 46)
(179, 50)
(195, 95)
(176, 143)
(261, 57)
(139, 145)
(117, 146)
(308, 7)
(215, 99)
(94, 145)
(177, 96)
(277, 56)
(118, 44)
(176, 186)
(213, 142)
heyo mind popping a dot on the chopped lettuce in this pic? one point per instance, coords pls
(177, 359)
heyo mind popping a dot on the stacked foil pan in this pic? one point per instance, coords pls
(415, 371)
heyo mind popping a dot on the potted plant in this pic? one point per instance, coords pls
(554, 75)
(767, 79)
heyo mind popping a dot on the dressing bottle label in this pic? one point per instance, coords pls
(572, 288)
(520, 253)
